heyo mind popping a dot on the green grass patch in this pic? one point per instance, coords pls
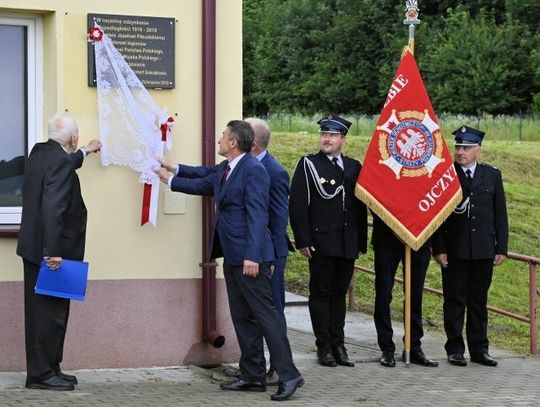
(519, 162)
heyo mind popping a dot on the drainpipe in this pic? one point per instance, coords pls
(209, 330)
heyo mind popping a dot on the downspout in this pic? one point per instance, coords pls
(209, 329)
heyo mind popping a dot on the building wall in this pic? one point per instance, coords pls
(143, 304)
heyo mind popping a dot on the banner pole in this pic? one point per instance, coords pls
(411, 19)
(407, 310)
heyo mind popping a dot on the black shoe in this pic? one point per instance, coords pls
(325, 357)
(67, 377)
(418, 358)
(287, 389)
(484, 359)
(272, 378)
(341, 357)
(457, 359)
(387, 359)
(52, 383)
(241, 385)
(232, 371)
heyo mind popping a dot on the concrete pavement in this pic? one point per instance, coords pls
(515, 382)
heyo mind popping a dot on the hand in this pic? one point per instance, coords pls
(251, 268)
(164, 175)
(442, 259)
(165, 164)
(499, 259)
(93, 146)
(306, 251)
(53, 262)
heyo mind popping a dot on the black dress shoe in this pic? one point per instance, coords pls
(272, 378)
(232, 371)
(325, 357)
(241, 385)
(484, 359)
(341, 357)
(67, 377)
(387, 359)
(419, 358)
(52, 383)
(457, 359)
(287, 389)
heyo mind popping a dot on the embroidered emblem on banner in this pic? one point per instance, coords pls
(410, 144)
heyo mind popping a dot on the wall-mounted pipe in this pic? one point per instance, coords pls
(209, 328)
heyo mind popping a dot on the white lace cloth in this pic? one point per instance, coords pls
(129, 119)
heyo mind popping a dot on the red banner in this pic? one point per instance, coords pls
(408, 177)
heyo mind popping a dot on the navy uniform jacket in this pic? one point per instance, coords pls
(54, 216)
(241, 222)
(481, 231)
(335, 227)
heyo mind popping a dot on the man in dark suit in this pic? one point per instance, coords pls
(389, 252)
(241, 186)
(53, 227)
(330, 229)
(468, 244)
(278, 218)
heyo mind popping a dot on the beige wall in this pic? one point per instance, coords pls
(117, 247)
(143, 305)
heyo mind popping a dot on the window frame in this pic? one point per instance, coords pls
(10, 216)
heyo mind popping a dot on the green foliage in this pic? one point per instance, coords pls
(476, 66)
(520, 165)
(306, 56)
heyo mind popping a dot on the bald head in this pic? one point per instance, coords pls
(61, 128)
(262, 133)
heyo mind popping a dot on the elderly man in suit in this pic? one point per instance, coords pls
(53, 227)
(241, 186)
(468, 244)
(330, 230)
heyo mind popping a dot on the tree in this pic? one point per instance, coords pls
(474, 65)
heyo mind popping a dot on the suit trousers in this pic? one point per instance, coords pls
(328, 283)
(466, 285)
(46, 320)
(387, 259)
(254, 315)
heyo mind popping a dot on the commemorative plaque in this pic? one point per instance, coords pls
(146, 43)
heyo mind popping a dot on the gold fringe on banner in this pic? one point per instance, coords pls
(415, 242)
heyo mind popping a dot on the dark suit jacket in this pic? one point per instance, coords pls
(54, 216)
(481, 232)
(333, 227)
(278, 205)
(241, 222)
(382, 235)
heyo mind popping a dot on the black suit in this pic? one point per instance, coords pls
(471, 237)
(337, 228)
(53, 224)
(389, 252)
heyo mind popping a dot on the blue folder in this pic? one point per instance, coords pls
(68, 281)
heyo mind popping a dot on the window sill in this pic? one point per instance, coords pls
(9, 230)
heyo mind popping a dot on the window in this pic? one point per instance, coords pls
(20, 107)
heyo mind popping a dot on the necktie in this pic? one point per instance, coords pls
(335, 161)
(225, 174)
(469, 176)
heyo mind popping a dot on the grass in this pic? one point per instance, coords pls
(519, 162)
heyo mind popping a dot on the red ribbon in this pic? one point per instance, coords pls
(147, 193)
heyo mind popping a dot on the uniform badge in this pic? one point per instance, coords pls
(410, 144)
